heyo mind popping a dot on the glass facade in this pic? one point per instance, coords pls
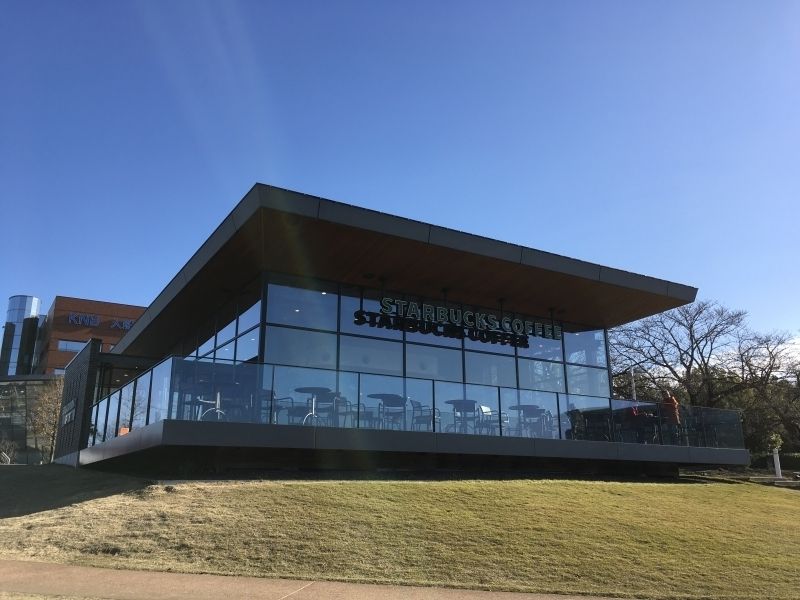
(352, 358)
(19, 335)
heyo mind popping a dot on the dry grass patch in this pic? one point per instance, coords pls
(644, 540)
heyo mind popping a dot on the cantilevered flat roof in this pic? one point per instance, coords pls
(278, 230)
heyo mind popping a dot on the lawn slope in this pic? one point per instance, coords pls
(703, 539)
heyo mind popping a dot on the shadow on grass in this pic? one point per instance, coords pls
(25, 489)
(444, 475)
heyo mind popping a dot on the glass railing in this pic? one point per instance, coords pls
(197, 390)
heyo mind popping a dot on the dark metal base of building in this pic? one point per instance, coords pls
(191, 449)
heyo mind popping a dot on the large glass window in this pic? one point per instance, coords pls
(429, 362)
(160, 392)
(226, 333)
(141, 397)
(542, 348)
(70, 345)
(315, 309)
(300, 348)
(587, 381)
(250, 317)
(100, 429)
(541, 375)
(366, 355)
(490, 369)
(125, 410)
(586, 348)
(586, 418)
(488, 420)
(111, 421)
(352, 302)
(420, 402)
(247, 346)
(533, 414)
(226, 352)
(382, 403)
(299, 391)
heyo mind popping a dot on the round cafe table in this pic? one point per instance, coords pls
(464, 411)
(396, 405)
(313, 392)
(530, 415)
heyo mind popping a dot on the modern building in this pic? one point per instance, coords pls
(19, 336)
(307, 332)
(18, 395)
(36, 348)
(71, 322)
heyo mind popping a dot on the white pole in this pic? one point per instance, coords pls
(633, 384)
(777, 461)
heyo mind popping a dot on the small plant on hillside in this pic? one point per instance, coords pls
(774, 441)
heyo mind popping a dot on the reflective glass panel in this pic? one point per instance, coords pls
(206, 346)
(300, 348)
(296, 391)
(488, 420)
(587, 381)
(352, 303)
(488, 346)
(366, 355)
(542, 348)
(250, 317)
(541, 375)
(111, 421)
(226, 333)
(446, 401)
(125, 410)
(420, 402)
(247, 346)
(586, 418)
(382, 403)
(141, 397)
(316, 309)
(534, 414)
(429, 362)
(635, 422)
(586, 348)
(490, 369)
(160, 392)
(102, 412)
(226, 352)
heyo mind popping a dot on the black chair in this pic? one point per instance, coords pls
(424, 417)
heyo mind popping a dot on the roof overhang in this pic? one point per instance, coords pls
(278, 230)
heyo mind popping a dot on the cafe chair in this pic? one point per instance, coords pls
(424, 417)
(491, 421)
(394, 414)
(369, 417)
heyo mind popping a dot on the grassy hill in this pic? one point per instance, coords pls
(691, 539)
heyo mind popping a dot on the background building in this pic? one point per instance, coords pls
(17, 353)
(71, 322)
(37, 348)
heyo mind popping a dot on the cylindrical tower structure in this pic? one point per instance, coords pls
(19, 335)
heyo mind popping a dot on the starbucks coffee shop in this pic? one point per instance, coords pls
(307, 333)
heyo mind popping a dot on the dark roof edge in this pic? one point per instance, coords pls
(289, 201)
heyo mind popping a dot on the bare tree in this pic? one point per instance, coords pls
(704, 350)
(44, 415)
(8, 447)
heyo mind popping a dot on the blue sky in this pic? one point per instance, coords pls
(657, 137)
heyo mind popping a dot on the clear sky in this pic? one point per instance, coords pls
(657, 137)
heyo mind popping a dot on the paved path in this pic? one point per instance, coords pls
(27, 577)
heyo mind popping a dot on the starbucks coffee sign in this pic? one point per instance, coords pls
(443, 321)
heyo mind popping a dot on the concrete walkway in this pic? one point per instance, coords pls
(24, 577)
